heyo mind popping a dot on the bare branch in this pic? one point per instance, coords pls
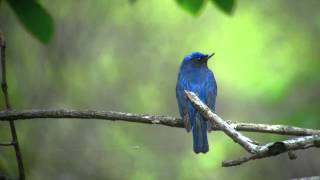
(307, 178)
(148, 119)
(273, 149)
(4, 88)
(275, 129)
(90, 114)
(4, 85)
(237, 137)
(230, 128)
(258, 151)
(267, 150)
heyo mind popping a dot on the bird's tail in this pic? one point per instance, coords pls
(199, 132)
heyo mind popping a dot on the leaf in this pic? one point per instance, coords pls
(225, 5)
(132, 1)
(192, 6)
(34, 18)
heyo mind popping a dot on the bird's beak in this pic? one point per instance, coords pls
(209, 56)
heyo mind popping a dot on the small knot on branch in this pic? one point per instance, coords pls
(292, 155)
(277, 148)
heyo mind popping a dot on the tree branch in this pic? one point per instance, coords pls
(90, 114)
(229, 127)
(311, 138)
(237, 137)
(148, 119)
(275, 129)
(4, 88)
(258, 151)
(273, 149)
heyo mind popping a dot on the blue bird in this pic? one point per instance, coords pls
(195, 76)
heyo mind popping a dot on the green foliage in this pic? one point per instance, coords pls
(34, 18)
(192, 6)
(39, 22)
(225, 5)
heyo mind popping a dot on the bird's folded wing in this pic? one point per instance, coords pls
(210, 96)
(183, 102)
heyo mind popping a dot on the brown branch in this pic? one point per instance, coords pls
(228, 129)
(275, 129)
(307, 178)
(258, 151)
(148, 119)
(4, 85)
(91, 114)
(273, 149)
(4, 88)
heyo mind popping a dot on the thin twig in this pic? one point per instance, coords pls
(275, 129)
(148, 119)
(4, 88)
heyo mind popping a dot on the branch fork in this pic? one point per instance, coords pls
(4, 87)
(308, 137)
(257, 151)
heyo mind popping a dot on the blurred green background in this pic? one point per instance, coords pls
(122, 56)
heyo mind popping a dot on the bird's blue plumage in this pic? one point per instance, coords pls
(194, 75)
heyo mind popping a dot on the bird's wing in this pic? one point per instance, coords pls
(210, 95)
(183, 102)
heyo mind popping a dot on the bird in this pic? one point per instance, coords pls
(195, 76)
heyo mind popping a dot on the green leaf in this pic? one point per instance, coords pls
(225, 5)
(34, 18)
(192, 6)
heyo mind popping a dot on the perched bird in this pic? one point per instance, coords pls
(195, 76)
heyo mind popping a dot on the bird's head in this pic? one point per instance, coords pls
(196, 59)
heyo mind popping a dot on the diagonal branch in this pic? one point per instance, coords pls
(237, 137)
(258, 151)
(4, 88)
